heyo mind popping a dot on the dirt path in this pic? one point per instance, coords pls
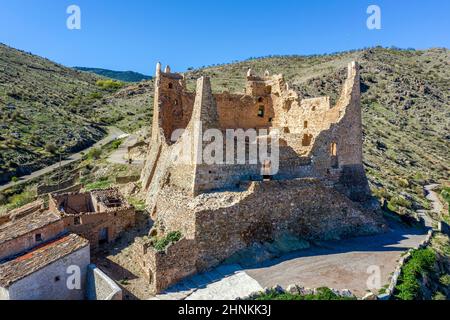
(436, 205)
(120, 156)
(113, 134)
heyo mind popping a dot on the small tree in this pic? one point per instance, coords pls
(51, 147)
(94, 153)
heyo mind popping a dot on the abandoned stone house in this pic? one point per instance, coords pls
(99, 216)
(35, 252)
(320, 190)
(38, 245)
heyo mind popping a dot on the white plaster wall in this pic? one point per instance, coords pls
(4, 294)
(41, 285)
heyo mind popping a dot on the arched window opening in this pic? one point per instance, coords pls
(305, 125)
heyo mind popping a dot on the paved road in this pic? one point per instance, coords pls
(113, 134)
(340, 265)
(120, 156)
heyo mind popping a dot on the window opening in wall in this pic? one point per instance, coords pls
(77, 221)
(306, 142)
(314, 108)
(170, 85)
(334, 156)
(261, 112)
(103, 236)
(267, 170)
(305, 125)
(57, 278)
(333, 149)
(38, 237)
(260, 100)
(150, 277)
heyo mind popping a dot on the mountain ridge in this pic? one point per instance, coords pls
(125, 76)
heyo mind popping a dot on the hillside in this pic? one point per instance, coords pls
(46, 108)
(404, 97)
(125, 76)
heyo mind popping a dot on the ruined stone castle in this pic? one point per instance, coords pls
(319, 190)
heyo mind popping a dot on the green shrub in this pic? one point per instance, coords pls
(397, 202)
(445, 280)
(51, 147)
(380, 193)
(421, 262)
(109, 84)
(161, 244)
(116, 144)
(21, 199)
(99, 185)
(439, 296)
(14, 179)
(94, 154)
(404, 183)
(95, 95)
(322, 294)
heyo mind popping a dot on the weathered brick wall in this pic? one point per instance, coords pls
(44, 189)
(26, 210)
(28, 241)
(127, 179)
(73, 202)
(91, 224)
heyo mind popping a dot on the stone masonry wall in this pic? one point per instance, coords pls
(28, 241)
(163, 269)
(91, 224)
(305, 208)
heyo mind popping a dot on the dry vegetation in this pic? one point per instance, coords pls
(405, 109)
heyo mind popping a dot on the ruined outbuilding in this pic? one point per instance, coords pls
(40, 247)
(99, 216)
(319, 190)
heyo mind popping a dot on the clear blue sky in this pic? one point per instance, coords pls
(135, 34)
